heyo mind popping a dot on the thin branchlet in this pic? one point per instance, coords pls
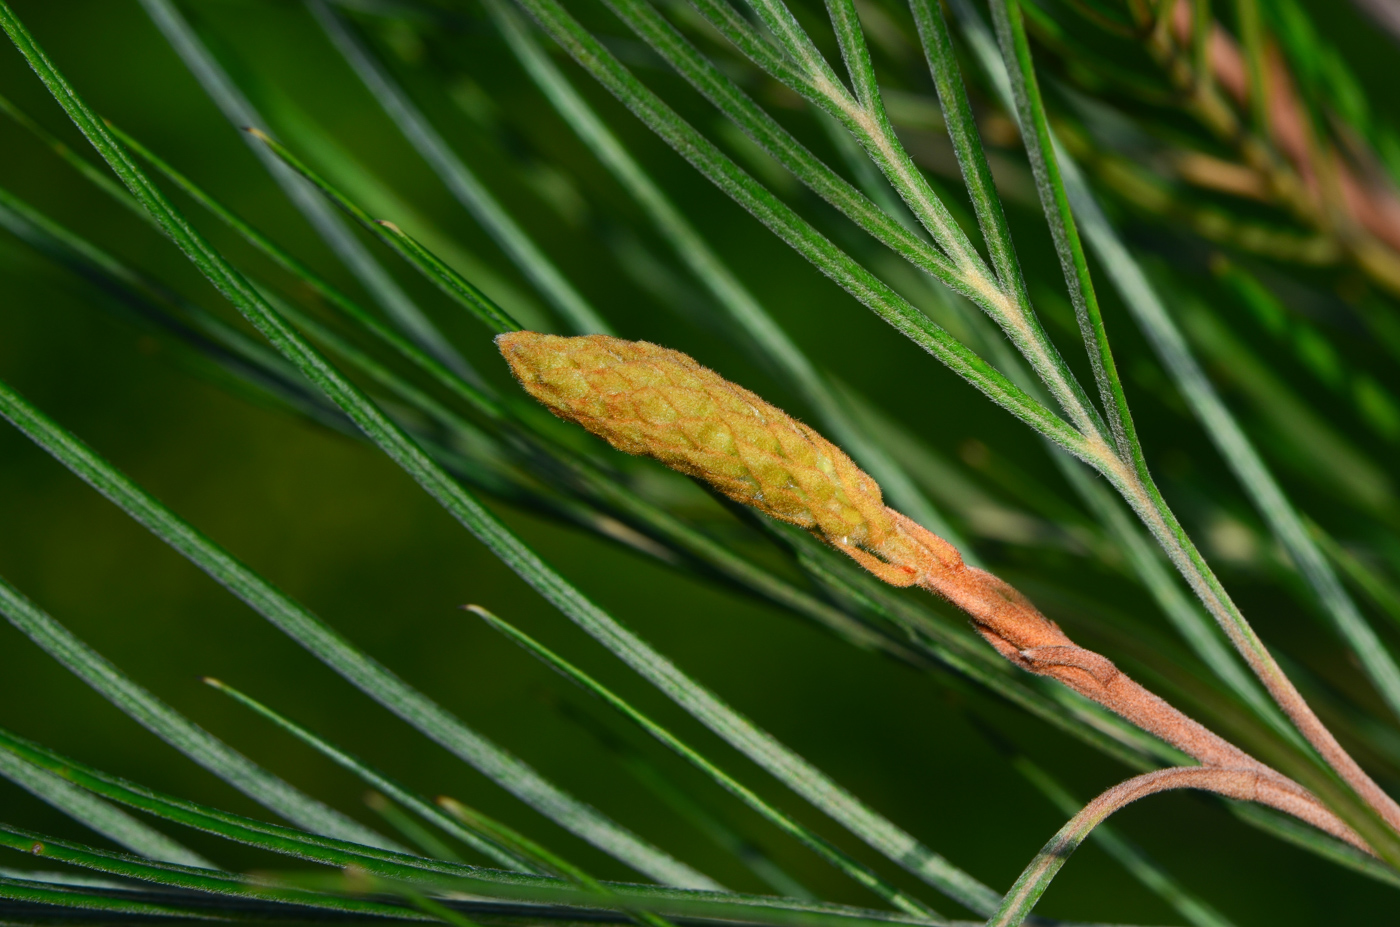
(652, 401)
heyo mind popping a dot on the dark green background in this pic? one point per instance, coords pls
(340, 528)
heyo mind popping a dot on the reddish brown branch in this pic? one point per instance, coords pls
(1019, 632)
(646, 399)
(1241, 784)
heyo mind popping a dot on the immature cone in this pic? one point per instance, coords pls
(650, 400)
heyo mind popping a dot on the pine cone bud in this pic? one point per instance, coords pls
(649, 400)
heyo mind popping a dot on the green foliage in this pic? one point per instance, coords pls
(911, 167)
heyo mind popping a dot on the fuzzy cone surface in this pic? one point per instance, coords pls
(645, 399)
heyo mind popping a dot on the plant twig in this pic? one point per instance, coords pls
(1137, 487)
(1242, 784)
(644, 399)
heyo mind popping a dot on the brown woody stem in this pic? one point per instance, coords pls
(1019, 632)
(1242, 784)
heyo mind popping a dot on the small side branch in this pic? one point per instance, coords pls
(1241, 784)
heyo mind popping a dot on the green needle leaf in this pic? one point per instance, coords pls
(458, 178)
(335, 651)
(155, 307)
(48, 894)
(549, 861)
(856, 871)
(378, 780)
(689, 807)
(1045, 165)
(172, 727)
(416, 870)
(171, 875)
(453, 284)
(351, 252)
(87, 809)
(372, 678)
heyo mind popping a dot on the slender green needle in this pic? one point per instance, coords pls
(689, 807)
(855, 870)
(335, 651)
(967, 145)
(1064, 231)
(415, 833)
(174, 876)
(172, 727)
(83, 166)
(434, 909)
(375, 779)
(458, 178)
(542, 859)
(868, 177)
(155, 307)
(1333, 462)
(547, 860)
(453, 284)
(351, 252)
(51, 896)
(98, 815)
(1380, 590)
(1291, 830)
(471, 391)
(440, 874)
